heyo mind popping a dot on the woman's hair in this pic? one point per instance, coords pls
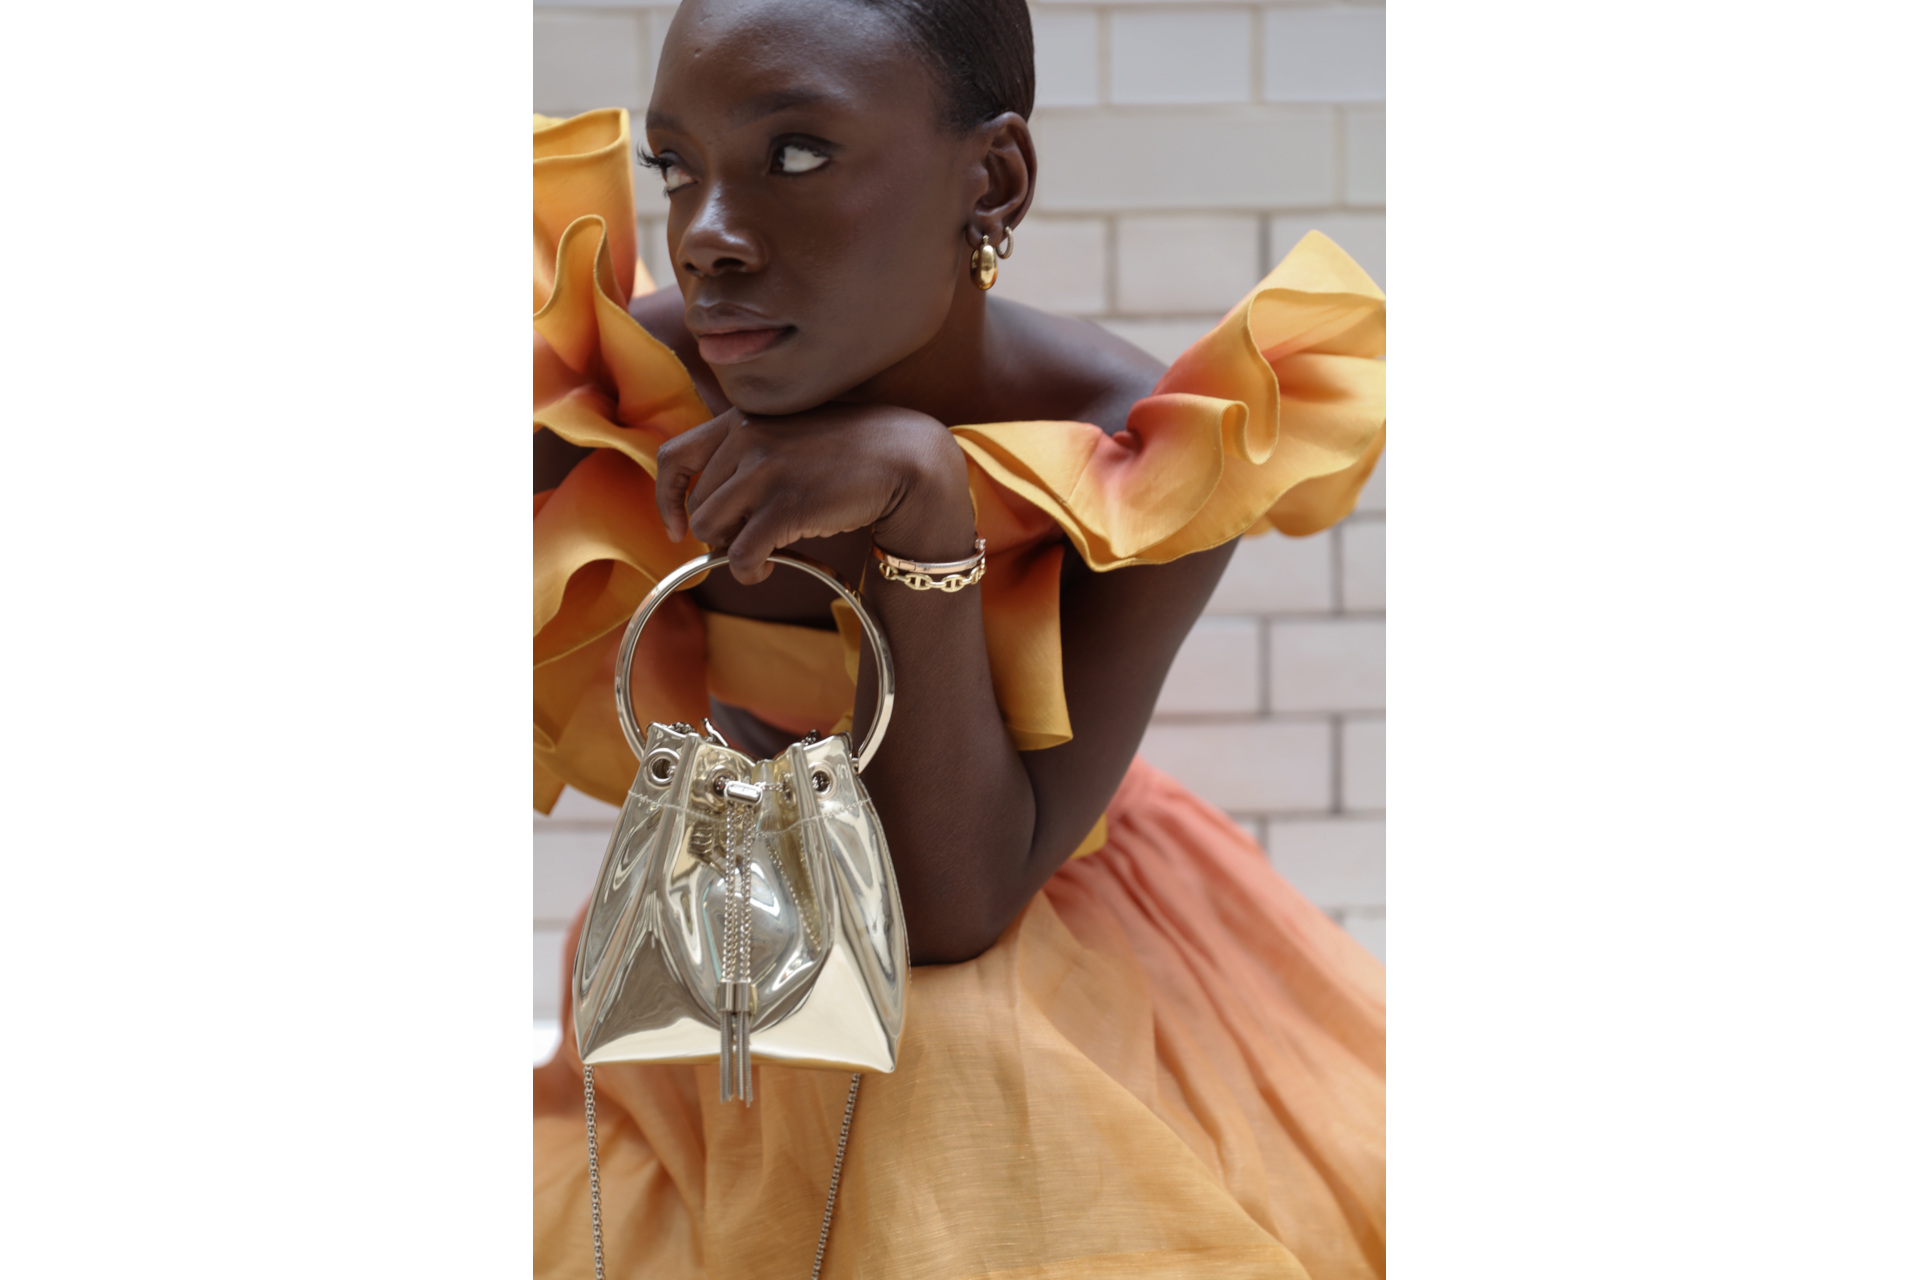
(982, 49)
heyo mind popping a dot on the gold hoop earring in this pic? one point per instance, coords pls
(1006, 243)
(984, 265)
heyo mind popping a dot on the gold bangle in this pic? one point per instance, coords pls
(947, 575)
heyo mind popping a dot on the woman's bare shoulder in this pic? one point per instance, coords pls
(1073, 369)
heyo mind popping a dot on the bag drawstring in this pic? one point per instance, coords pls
(736, 953)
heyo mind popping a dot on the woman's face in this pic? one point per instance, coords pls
(818, 207)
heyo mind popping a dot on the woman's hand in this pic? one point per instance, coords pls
(756, 484)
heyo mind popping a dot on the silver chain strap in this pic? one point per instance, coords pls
(833, 1184)
(593, 1181)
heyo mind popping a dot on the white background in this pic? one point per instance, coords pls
(1652, 850)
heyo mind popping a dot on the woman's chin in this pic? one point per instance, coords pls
(765, 392)
(796, 376)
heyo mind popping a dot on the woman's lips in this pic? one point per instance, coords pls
(736, 346)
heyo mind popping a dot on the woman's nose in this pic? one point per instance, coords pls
(717, 241)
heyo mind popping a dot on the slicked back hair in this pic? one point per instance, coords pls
(981, 49)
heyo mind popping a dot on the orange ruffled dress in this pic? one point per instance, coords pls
(1170, 1063)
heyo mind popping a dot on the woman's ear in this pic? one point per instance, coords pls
(1010, 172)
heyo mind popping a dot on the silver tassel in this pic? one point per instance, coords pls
(736, 959)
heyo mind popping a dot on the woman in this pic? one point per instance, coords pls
(1130, 1048)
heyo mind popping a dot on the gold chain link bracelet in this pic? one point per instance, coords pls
(948, 576)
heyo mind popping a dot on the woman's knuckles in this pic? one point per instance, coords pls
(851, 463)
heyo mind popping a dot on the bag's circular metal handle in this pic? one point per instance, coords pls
(883, 656)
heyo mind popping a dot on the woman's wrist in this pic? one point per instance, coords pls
(933, 521)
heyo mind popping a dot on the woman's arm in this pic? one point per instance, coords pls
(975, 827)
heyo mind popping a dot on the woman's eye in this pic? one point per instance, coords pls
(794, 158)
(673, 176)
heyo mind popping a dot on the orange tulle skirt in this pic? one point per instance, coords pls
(1171, 1064)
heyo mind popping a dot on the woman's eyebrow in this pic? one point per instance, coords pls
(775, 100)
(754, 108)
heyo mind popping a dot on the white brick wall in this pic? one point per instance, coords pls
(1160, 56)
(567, 847)
(1339, 863)
(1063, 265)
(1363, 765)
(1277, 575)
(588, 59)
(1327, 664)
(1184, 146)
(1325, 55)
(1365, 156)
(1218, 669)
(1115, 160)
(1260, 765)
(1363, 565)
(1363, 235)
(1066, 57)
(1164, 339)
(1192, 262)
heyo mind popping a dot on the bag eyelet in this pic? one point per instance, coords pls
(660, 766)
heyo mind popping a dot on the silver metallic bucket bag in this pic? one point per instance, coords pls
(744, 907)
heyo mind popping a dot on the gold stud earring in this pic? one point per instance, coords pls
(984, 265)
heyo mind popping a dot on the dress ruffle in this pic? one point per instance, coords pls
(1273, 420)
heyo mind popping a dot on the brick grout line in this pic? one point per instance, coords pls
(1340, 157)
(1263, 666)
(1111, 254)
(1335, 774)
(1103, 57)
(1336, 549)
(1256, 60)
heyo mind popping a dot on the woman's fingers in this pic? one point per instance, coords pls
(768, 528)
(716, 516)
(679, 462)
(723, 466)
(751, 516)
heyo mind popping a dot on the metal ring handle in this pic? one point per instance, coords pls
(883, 656)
